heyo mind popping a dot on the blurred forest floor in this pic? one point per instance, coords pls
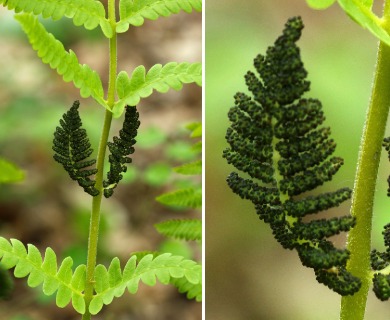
(48, 209)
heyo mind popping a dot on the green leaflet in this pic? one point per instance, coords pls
(134, 12)
(28, 262)
(191, 168)
(186, 198)
(361, 12)
(194, 291)
(89, 13)
(320, 4)
(51, 51)
(195, 128)
(188, 229)
(10, 173)
(161, 78)
(113, 282)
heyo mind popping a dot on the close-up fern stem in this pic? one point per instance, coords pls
(359, 238)
(96, 201)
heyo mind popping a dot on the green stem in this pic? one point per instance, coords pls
(96, 201)
(359, 238)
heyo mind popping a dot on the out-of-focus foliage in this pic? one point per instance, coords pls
(9, 172)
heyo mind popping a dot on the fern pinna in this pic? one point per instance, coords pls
(277, 139)
(72, 147)
(68, 285)
(120, 149)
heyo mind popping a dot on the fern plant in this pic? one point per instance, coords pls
(185, 198)
(277, 140)
(89, 286)
(190, 197)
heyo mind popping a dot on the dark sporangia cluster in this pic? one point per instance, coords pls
(120, 149)
(381, 260)
(276, 138)
(72, 148)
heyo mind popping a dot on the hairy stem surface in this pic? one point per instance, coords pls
(96, 201)
(359, 238)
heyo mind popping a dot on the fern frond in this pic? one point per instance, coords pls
(191, 168)
(194, 291)
(120, 149)
(52, 52)
(277, 139)
(161, 78)
(113, 283)
(88, 13)
(195, 128)
(9, 172)
(185, 198)
(141, 254)
(72, 147)
(135, 12)
(68, 286)
(187, 229)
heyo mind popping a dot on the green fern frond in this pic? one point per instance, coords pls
(161, 78)
(184, 198)
(135, 12)
(68, 285)
(191, 168)
(194, 291)
(72, 147)
(52, 52)
(187, 229)
(120, 149)
(89, 13)
(141, 254)
(113, 283)
(275, 137)
(195, 128)
(9, 172)
(197, 147)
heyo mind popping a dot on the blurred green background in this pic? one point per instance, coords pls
(248, 274)
(49, 209)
